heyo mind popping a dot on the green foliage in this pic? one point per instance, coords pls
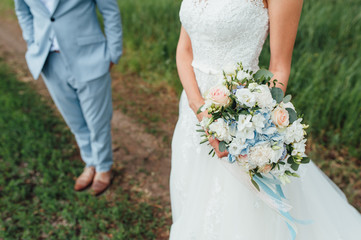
(277, 94)
(222, 146)
(287, 98)
(263, 75)
(37, 200)
(255, 185)
(151, 31)
(5, 5)
(292, 115)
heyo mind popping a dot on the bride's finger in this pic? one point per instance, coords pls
(215, 144)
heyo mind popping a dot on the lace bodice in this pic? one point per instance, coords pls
(225, 32)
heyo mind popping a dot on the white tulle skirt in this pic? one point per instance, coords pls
(208, 202)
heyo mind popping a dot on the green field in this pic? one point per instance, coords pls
(38, 166)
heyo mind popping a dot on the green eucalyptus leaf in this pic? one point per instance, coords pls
(200, 109)
(277, 94)
(263, 73)
(305, 160)
(295, 175)
(287, 98)
(258, 174)
(210, 152)
(222, 146)
(255, 185)
(295, 166)
(292, 115)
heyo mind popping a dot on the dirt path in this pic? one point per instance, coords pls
(141, 160)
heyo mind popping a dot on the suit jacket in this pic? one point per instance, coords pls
(82, 43)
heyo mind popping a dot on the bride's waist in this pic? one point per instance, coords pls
(217, 69)
(208, 75)
(206, 68)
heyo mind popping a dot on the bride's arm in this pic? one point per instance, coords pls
(186, 74)
(188, 79)
(284, 17)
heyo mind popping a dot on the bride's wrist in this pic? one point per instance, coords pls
(196, 104)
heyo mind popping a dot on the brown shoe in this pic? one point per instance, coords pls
(85, 179)
(101, 182)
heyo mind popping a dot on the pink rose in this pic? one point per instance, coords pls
(265, 169)
(219, 95)
(242, 158)
(280, 117)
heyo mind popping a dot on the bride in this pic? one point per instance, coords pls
(208, 202)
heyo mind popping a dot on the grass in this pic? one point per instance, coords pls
(38, 167)
(6, 9)
(325, 73)
(151, 31)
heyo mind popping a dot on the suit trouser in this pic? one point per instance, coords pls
(87, 109)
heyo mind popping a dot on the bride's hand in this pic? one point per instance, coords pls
(215, 144)
(212, 141)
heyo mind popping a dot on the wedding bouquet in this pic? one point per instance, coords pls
(256, 124)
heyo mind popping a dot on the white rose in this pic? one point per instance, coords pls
(280, 117)
(246, 97)
(242, 75)
(205, 122)
(264, 97)
(260, 155)
(243, 160)
(245, 129)
(230, 69)
(219, 95)
(299, 148)
(252, 86)
(221, 130)
(258, 121)
(282, 169)
(294, 132)
(208, 103)
(236, 146)
(277, 154)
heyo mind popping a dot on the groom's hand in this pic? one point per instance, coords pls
(111, 66)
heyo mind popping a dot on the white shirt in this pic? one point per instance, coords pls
(50, 5)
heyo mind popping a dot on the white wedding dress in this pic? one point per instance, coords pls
(208, 201)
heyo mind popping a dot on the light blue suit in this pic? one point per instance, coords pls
(78, 77)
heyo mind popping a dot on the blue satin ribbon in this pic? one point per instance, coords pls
(279, 195)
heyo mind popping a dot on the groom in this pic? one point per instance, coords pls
(67, 47)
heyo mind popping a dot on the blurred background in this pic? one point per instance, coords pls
(39, 160)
